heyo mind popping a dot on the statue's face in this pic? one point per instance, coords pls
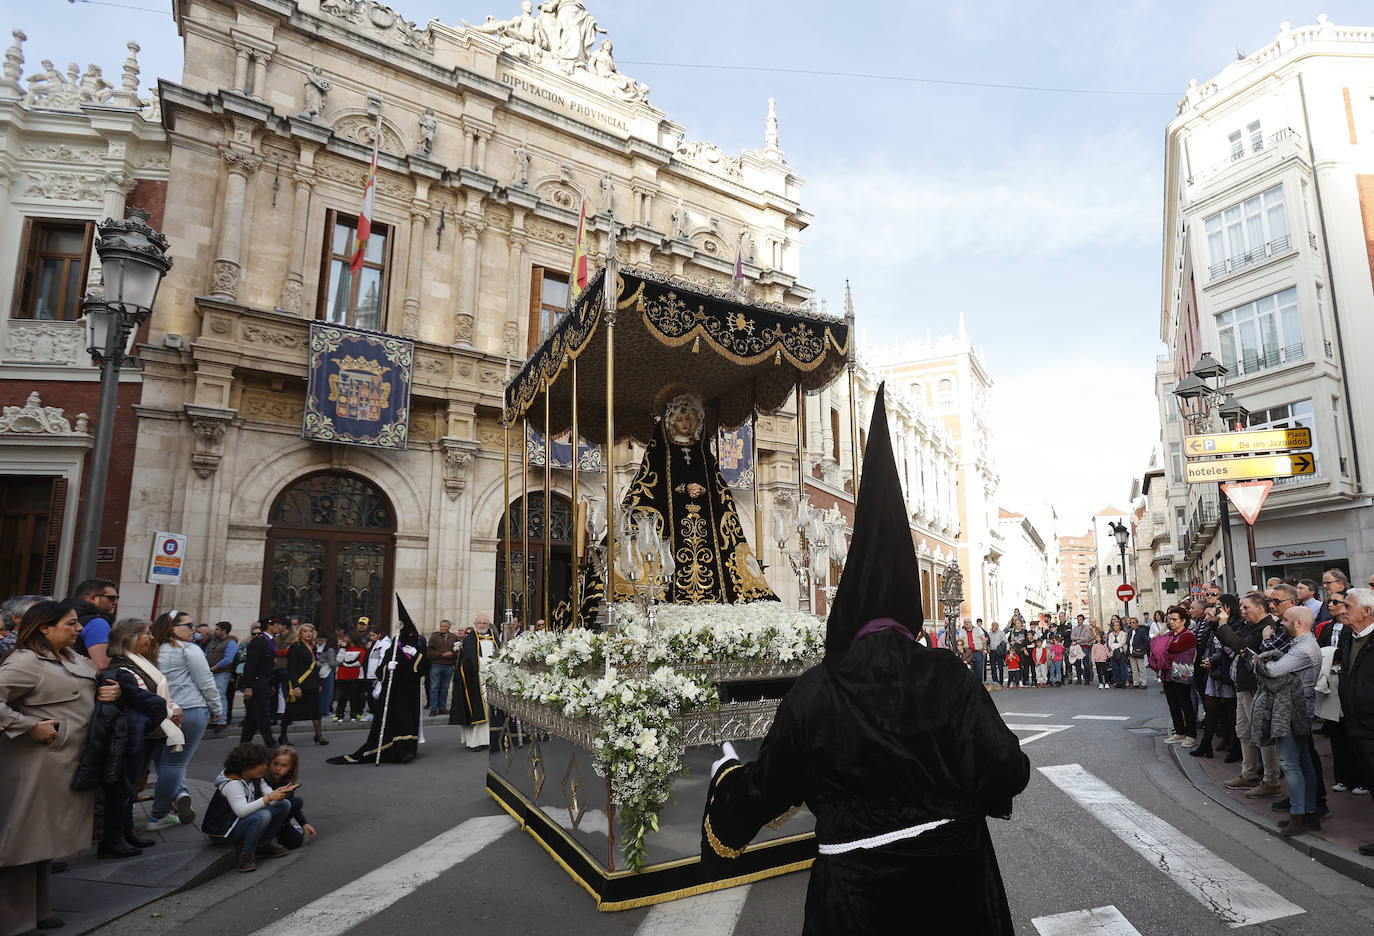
(683, 424)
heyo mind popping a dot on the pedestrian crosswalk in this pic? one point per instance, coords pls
(1236, 897)
(361, 899)
(1099, 921)
(713, 914)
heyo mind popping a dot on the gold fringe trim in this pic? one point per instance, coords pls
(637, 902)
(717, 846)
(552, 854)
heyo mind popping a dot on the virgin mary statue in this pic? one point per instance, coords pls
(679, 489)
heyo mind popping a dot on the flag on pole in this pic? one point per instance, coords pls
(739, 258)
(577, 279)
(364, 230)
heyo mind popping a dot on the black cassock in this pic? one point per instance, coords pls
(469, 705)
(890, 736)
(401, 742)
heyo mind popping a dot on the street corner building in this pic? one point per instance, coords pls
(323, 421)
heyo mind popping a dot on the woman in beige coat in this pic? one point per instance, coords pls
(47, 697)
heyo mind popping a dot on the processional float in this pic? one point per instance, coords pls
(603, 736)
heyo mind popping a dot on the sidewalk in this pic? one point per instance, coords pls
(92, 892)
(1336, 845)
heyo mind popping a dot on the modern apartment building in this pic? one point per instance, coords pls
(1268, 253)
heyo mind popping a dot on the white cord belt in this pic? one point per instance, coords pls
(878, 841)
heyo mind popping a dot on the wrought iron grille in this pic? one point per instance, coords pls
(560, 519)
(333, 500)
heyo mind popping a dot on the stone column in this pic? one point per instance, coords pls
(294, 286)
(468, 137)
(648, 209)
(260, 62)
(481, 163)
(228, 267)
(515, 269)
(419, 215)
(241, 53)
(465, 320)
(117, 185)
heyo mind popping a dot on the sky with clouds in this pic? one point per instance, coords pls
(1035, 213)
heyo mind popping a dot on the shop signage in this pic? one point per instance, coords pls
(1303, 552)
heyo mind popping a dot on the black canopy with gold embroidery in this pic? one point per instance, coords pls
(738, 356)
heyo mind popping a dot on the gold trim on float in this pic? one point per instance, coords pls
(651, 899)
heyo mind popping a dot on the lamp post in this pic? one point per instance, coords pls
(1209, 399)
(1122, 534)
(133, 259)
(952, 598)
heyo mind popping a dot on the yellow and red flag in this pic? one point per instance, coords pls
(355, 263)
(577, 280)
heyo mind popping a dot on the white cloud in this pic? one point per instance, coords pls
(1039, 198)
(1074, 436)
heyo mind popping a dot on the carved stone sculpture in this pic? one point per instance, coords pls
(603, 66)
(522, 165)
(33, 418)
(13, 68)
(94, 89)
(50, 89)
(317, 86)
(607, 195)
(428, 128)
(770, 133)
(680, 221)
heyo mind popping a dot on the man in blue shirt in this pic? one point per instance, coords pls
(96, 602)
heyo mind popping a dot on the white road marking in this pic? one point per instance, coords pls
(1221, 887)
(1100, 921)
(593, 819)
(713, 914)
(1041, 730)
(1029, 714)
(1105, 717)
(372, 893)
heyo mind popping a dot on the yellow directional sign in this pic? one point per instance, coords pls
(1257, 466)
(1260, 440)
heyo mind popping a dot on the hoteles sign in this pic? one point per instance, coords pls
(1303, 552)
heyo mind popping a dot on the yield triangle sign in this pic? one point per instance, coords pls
(1248, 497)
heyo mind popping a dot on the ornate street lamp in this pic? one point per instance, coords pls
(133, 260)
(952, 596)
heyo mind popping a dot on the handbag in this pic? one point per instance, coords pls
(1181, 672)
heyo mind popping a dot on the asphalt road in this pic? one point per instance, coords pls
(1111, 824)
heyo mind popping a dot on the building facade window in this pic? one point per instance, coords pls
(1289, 416)
(944, 394)
(548, 302)
(1170, 410)
(31, 509)
(1261, 334)
(52, 270)
(1245, 234)
(1176, 462)
(348, 298)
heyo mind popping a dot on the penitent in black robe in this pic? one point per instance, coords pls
(714, 562)
(469, 702)
(401, 741)
(887, 736)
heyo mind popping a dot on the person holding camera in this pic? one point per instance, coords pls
(245, 810)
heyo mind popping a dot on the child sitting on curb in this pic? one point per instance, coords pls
(242, 812)
(284, 771)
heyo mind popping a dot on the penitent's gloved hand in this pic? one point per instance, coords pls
(728, 754)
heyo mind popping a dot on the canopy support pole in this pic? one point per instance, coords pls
(608, 289)
(803, 579)
(758, 506)
(506, 604)
(578, 515)
(548, 504)
(525, 523)
(853, 403)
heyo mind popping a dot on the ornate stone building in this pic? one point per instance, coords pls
(74, 149)
(492, 136)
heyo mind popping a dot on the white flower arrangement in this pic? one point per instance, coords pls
(582, 674)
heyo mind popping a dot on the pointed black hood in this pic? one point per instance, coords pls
(881, 578)
(408, 633)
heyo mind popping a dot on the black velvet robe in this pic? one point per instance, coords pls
(886, 736)
(401, 742)
(714, 562)
(469, 705)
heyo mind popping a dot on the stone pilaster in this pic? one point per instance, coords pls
(419, 217)
(465, 319)
(294, 285)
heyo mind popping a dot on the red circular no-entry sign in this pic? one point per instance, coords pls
(1125, 592)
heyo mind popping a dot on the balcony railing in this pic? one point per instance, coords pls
(1312, 239)
(1274, 248)
(1271, 141)
(1250, 364)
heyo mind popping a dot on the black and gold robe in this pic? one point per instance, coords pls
(714, 562)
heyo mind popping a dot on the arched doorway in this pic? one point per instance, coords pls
(330, 548)
(556, 549)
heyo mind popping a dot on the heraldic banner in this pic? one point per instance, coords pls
(359, 387)
(736, 448)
